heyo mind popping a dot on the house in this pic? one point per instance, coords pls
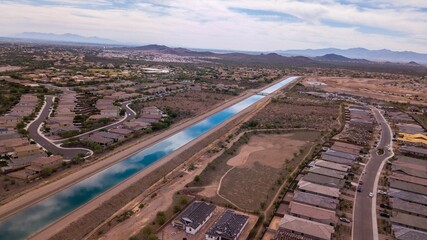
(414, 151)
(38, 164)
(26, 150)
(332, 165)
(318, 189)
(116, 137)
(341, 154)
(21, 162)
(110, 113)
(408, 207)
(328, 172)
(136, 125)
(404, 233)
(100, 140)
(338, 160)
(123, 131)
(11, 143)
(313, 213)
(315, 200)
(410, 221)
(194, 217)
(407, 196)
(324, 180)
(409, 179)
(307, 228)
(229, 226)
(410, 187)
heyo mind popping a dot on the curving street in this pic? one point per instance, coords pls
(34, 132)
(364, 219)
(130, 114)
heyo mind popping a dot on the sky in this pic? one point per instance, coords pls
(257, 25)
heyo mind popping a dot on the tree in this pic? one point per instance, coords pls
(45, 172)
(161, 218)
(197, 178)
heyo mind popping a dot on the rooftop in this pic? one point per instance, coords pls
(408, 196)
(229, 225)
(319, 189)
(410, 220)
(196, 213)
(307, 227)
(414, 208)
(403, 233)
(328, 172)
(315, 200)
(324, 180)
(332, 165)
(312, 212)
(340, 154)
(410, 187)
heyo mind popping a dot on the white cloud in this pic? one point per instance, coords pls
(213, 23)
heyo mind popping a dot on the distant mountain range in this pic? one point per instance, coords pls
(338, 58)
(352, 55)
(361, 53)
(67, 37)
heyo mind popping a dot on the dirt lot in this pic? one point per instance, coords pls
(296, 110)
(256, 168)
(171, 233)
(389, 90)
(188, 104)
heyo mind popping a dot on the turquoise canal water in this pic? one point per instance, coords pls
(34, 218)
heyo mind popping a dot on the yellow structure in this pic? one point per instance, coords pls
(415, 138)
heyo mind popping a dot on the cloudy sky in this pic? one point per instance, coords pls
(229, 24)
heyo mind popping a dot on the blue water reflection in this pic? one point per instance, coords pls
(38, 216)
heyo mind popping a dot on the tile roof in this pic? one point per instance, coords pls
(408, 196)
(311, 228)
(409, 220)
(319, 189)
(410, 187)
(324, 180)
(327, 172)
(316, 200)
(414, 208)
(403, 233)
(313, 213)
(332, 165)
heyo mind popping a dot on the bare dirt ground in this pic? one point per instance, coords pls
(255, 169)
(188, 104)
(382, 89)
(261, 170)
(171, 233)
(293, 109)
(9, 68)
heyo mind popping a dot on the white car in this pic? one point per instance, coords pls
(371, 194)
(382, 192)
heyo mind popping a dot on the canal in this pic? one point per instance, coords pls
(34, 218)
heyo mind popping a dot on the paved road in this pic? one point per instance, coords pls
(33, 132)
(130, 114)
(364, 219)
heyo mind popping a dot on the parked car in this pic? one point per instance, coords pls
(343, 219)
(360, 182)
(383, 214)
(359, 188)
(371, 194)
(383, 205)
(382, 192)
